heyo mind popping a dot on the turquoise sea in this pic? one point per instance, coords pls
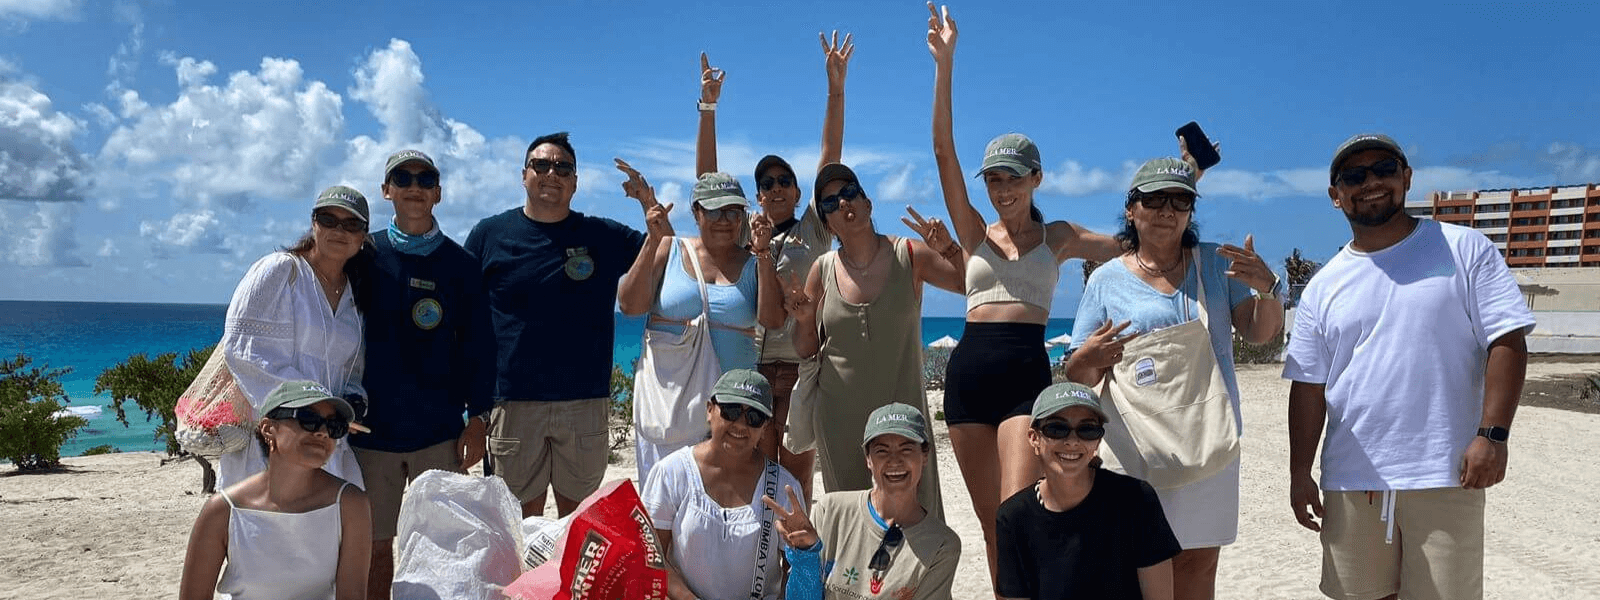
(90, 337)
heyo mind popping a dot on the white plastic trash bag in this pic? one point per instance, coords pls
(540, 534)
(460, 538)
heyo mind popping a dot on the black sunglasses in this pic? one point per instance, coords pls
(312, 422)
(828, 204)
(731, 412)
(328, 221)
(543, 165)
(1178, 202)
(726, 213)
(1059, 430)
(891, 540)
(782, 181)
(1355, 176)
(426, 180)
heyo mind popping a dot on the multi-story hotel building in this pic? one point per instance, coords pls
(1541, 227)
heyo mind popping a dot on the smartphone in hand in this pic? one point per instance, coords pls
(1199, 145)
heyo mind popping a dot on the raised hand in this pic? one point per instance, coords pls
(1247, 266)
(941, 34)
(1103, 349)
(710, 81)
(760, 232)
(795, 526)
(933, 231)
(1183, 152)
(838, 57)
(636, 187)
(796, 302)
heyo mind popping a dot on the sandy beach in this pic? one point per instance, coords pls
(115, 526)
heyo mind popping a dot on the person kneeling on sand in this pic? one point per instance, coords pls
(879, 541)
(292, 530)
(1081, 531)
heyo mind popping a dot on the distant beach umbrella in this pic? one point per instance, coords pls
(1064, 339)
(944, 342)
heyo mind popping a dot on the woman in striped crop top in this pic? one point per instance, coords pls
(1000, 365)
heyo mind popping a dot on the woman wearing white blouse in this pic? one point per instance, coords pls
(294, 317)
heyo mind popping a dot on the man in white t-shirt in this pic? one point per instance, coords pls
(1409, 344)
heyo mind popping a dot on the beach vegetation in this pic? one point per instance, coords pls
(935, 361)
(101, 449)
(152, 386)
(621, 421)
(32, 429)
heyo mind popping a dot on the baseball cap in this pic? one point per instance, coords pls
(1359, 142)
(1013, 152)
(832, 172)
(298, 394)
(405, 156)
(897, 418)
(344, 197)
(744, 386)
(1065, 395)
(716, 190)
(773, 160)
(1163, 174)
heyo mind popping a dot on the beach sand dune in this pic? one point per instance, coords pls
(115, 526)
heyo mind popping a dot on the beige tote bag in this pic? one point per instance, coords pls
(1169, 420)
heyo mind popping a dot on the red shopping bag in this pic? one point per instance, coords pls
(609, 551)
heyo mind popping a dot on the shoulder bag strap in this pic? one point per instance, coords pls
(699, 277)
(766, 546)
(1200, 284)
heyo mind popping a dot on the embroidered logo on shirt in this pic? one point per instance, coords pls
(579, 266)
(851, 575)
(427, 314)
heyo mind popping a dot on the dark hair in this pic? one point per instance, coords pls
(356, 269)
(1129, 236)
(558, 138)
(261, 439)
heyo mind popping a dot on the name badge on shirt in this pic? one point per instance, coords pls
(422, 284)
(579, 265)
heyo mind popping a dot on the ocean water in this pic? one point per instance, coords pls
(90, 337)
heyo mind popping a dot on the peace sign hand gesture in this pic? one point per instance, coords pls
(795, 526)
(838, 57)
(941, 34)
(1249, 267)
(933, 231)
(710, 81)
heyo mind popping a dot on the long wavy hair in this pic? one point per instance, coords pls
(1128, 237)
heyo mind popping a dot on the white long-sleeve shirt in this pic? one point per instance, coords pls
(280, 328)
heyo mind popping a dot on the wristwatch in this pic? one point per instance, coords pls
(1496, 434)
(1269, 294)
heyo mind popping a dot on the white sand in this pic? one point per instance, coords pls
(116, 526)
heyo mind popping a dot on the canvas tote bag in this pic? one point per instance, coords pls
(1169, 420)
(675, 375)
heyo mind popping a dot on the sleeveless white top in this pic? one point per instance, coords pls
(1030, 279)
(289, 556)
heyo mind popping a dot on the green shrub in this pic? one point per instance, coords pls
(621, 422)
(154, 385)
(934, 363)
(1245, 353)
(101, 449)
(31, 434)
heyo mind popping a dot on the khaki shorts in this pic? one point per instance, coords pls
(536, 445)
(388, 473)
(1437, 551)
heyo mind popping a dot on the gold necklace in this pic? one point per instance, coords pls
(326, 286)
(877, 242)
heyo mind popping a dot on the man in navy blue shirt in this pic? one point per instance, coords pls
(550, 274)
(428, 349)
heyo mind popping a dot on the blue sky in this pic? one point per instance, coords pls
(151, 150)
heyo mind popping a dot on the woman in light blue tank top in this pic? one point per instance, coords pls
(739, 275)
(292, 531)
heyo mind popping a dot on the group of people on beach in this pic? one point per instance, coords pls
(786, 341)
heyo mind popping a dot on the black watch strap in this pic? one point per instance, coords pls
(1495, 433)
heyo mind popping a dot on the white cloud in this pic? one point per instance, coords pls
(108, 249)
(39, 234)
(124, 63)
(1073, 179)
(43, 177)
(219, 150)
(906, 186)
(1573, 163)
(39, 9)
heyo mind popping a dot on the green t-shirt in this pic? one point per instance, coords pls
(922, 568)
